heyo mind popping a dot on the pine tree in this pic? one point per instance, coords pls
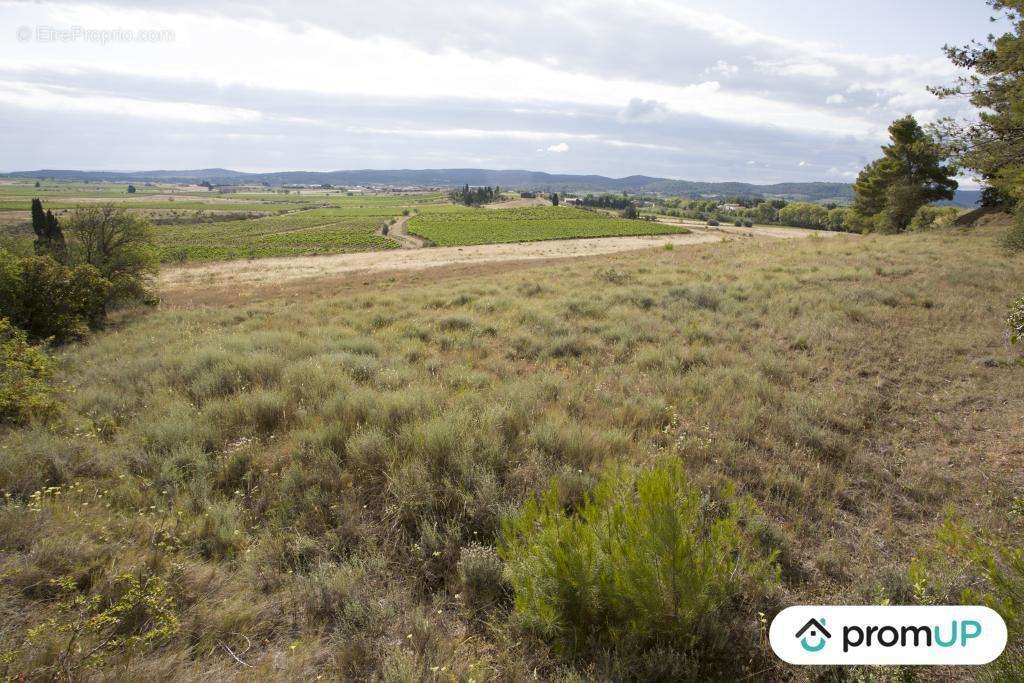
(910, 174)
(993, 144)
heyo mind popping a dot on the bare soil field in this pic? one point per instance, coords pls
(277, 270)
(519, 203)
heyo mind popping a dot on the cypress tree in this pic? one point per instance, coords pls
(49, 237)
(38, 219)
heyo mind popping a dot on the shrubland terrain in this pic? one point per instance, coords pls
(433, 478)
(615, 467)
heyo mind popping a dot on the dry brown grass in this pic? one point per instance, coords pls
(304, 467)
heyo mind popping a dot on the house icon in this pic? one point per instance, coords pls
(814, 629)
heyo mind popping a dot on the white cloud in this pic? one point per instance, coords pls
(644, 111)
(365, 78)
(814, 69)
(722, 68)
(559, 148)
(30, 96)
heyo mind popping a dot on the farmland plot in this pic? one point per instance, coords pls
(315, 231)
(456, 227)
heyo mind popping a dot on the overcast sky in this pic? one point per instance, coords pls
(749, 90)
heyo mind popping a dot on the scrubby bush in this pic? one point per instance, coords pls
(480, 576)
(119, 245)
(859, 223)
(932, 217)
(1016, 321)
(838, 219)
(997, 568)
(713, 223)
(51, 301)
(1014, 238)
(643, 562)
(25, 372)
(90, 631)
(805, 215)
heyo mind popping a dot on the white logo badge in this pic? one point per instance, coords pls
(887, 635)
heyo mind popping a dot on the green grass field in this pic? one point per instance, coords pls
(464, 226)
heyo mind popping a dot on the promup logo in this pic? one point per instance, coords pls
(888, 635)
(817, 630)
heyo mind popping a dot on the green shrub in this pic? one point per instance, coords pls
(998, 570)
(1016, 321)
(805, 215)
(932, 217)
(118, 244)
(838, 219)
(51, 301)
(1014, 238)
(90, 631)
(25, 374)
(638, 566)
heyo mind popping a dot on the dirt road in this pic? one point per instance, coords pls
(399, 232)
(278, 270)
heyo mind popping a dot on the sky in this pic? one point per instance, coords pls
(741, 90)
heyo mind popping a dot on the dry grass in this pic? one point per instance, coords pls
(314, 475)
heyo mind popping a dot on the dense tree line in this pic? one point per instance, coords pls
(475, 196)
(607, 201)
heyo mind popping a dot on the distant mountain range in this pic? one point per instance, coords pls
(451, 177)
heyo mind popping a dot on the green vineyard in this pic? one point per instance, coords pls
(484, 226)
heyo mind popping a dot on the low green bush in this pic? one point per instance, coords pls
(932, 217)
(1015, 321)
(49, 300)
(1014, 238)
(995, 573)
(25, 373)
(645, 562)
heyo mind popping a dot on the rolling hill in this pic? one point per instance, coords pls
(511, 179)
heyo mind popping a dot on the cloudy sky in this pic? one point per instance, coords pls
(749, 90)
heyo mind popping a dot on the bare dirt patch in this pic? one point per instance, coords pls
(519, 203)
(257, 273)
